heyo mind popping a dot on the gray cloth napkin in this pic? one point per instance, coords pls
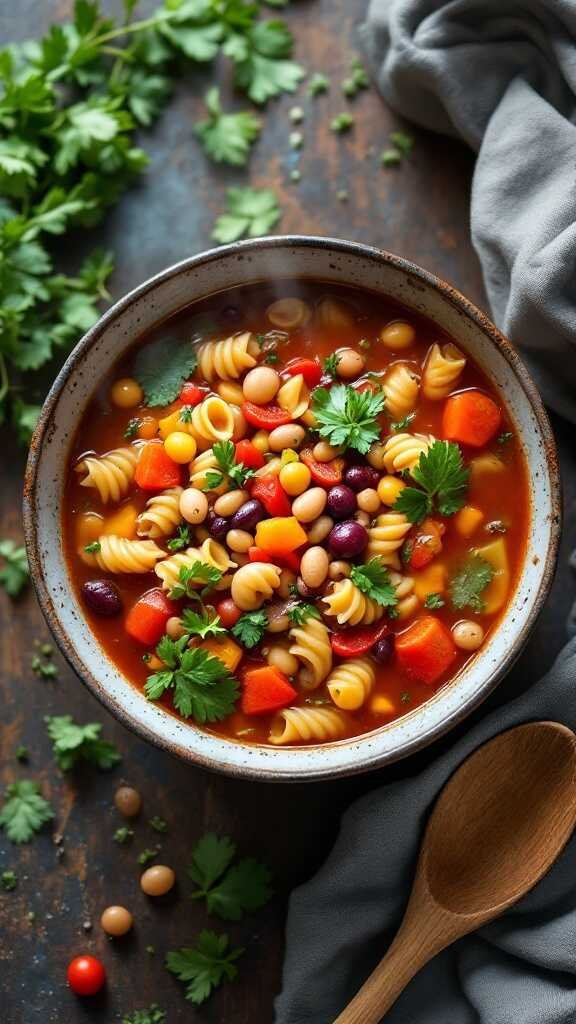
(502, 75)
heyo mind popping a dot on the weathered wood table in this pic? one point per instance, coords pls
(420, 211)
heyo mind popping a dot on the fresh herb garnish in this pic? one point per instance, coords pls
(202, 686)
(152, 1015)
(249, 211)
(162, 367)
(15, 573)
(230, 890)
(443, 478)
(469, 582)
(123, 835)
(132, 428)
(93, 548)
(43, 667)
(403, 142)
(390, 158)
(405, 697)
(72, 743)
(330, 365)
(227, 137)
(182, 539)
(347, 417)
(25, 811)
(22, 753)
(496, 526)
(8, 881)
(505, 437)
(342, 123)
(373, 579)
(185, 414)
(204, 966)
(271, 358)
(158, 824)
(202, 624)
(357, 79)
(434, 601)
(402, 424)
(190, 576)
(318, 84)
(237, 472)
(250, 628)
(147, 856)
(300, 613)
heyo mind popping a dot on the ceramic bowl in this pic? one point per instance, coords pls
(336, 262)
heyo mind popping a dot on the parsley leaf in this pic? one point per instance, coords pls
(250, 628)
(249, 211)
(225, 453)
(191, 576)
(434, 601)
(158, 824)
(357, 80)
(373, 579)
(227, 137)
(300, 613)
(230, 890)
(318, 84)
(330, 365)
(467, 585)
(505, 437)
(93, 548)
(152, 1015)
(205, 966)
(201, 624)
(211, 857)
(182, 539)
(8, 881)
(72, 743)
(132, 428)
(162, 367)
(24, 812)
(123, 835)
(202, 686)
(342, 123)
(147, 855)
(15, 574)
(403, 142)
(402, 424)
(346, 417)
(441, 473)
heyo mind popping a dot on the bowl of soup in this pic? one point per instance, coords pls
(292, 508)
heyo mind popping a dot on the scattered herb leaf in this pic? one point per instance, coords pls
(249, 211)
(227, 137)
(230, 890)
(434, 601)
(123, 835)
(300, 613)
(342, 123)
(8, 881)
(24, 811)
(347, 417)
(373, 579)
(205, 966)
(441, 473)
(72, 743)
(182, 539)
(15, 573)
(250, 628)
(469, 582)
(202, 686)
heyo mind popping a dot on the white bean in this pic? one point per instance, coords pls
(228, 504)
(193, 505)
(308, 506)
(368, 500)
(260, 385)
(239, 541)
(320, 529)
(467, 635)
(350, 364)
(289, 435)
(339, 569)
(314, 567)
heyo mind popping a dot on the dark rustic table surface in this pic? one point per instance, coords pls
(420, 211)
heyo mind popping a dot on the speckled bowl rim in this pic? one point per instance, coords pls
(374, 760)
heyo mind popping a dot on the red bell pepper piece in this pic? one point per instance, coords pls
(155, 469)
(265, 690)
(265, 417)
(268, 490)
(326, 474)
(309, 368)
(248, 454)
(192, 394)
(351, 642)
(256, 554)
(146, 620)
(288, 560)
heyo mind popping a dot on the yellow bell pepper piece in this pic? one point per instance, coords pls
(122, 523)
(172, 423)
(225, 649)
(288, 455)
(89, 526)
(496, 592)
(431, 580)
(380, 705)
(283, 533)
(467, 520)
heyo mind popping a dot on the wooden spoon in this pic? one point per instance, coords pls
(498, 825)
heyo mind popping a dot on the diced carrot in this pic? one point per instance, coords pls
(280, 535)
(381, 705)
(426, 649)
(225, 649)
(155, 470)
(265, 690)
(122, 523)
(146, 620)
(467, 520)
(470, 417)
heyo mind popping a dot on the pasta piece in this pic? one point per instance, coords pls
(209, 553)
(253, 584)
(400, 387)
(297, 725)
(311, 645)
(350, 683)
(350, 605)
(387, 536)
(117, 554)
(199, 468)
(294, 396)
(442, 371)
(161, 515)
(408, 601)
(111, 474)
(228, 359)
(402, 451)
(212, 420)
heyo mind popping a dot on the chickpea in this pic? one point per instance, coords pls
(389, 487)
(260, 441)
(180, 447)
(320, 529)
(363, 518)
(157, 880)
(314, 567)
(174, 627)
(228, 504)
(290, 435)
(148, 428)
(375, 455)
(398, 336)
(128, 801)
(295, 478)
(281, 659)
(239, 541)
(261, 385)
(310, 505)
(288, 314)
(240, 426)
(116, 921)
(324, 452)
(193, 505)
(368, 500)
(339, 570)
(230, 391)
(126, 393)
(350, 364)
(468, 635)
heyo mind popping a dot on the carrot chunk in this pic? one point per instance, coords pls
(146, 620)
(470, 418)
(155, 470)
(426, 649)
(265, 690)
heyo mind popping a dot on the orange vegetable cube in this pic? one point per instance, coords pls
(467, 520)
(470, 417)
(426, 649)
(279, 535)
(431, 580)
(89, 527)
(225, 649)
(122, 523)
(381, 705)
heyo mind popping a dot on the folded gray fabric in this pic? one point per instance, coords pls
(518, 970)
(503, 77)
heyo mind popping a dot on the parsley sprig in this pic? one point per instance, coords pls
(202, 686)
(469, 582)
(250, 628)
(191, 576)
(72, 743)
(229, 469)
(183, 539)
(25, 811)
(373, 579)
(443, 480)
(230, 890)
(346, 417)
(301, 612)
(151, 1015)
(205, 966)
(15, 573)
(203, 624)
(227, 137)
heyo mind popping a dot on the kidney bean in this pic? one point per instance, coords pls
(384, 649)
(341, 502)
(102, 597)
(216, 525)
(348, 539)
(361, 477)
(248, 515)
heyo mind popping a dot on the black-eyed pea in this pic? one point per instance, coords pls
(320, 529)
(289, 435)
(368, 500)
(227, 504)
(375, 455)
(314, 566)
(239, 541)
(230, 391)
(174, 627)
(339, 570)
(350, 364)
(281, 659)
(324, 452)
(310, 505)
(287, 580)
(261, 385)
(468, 635)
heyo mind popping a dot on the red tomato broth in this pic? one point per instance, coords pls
(102, 428)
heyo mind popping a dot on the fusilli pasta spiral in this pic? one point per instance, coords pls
(199, 468)
(407, 600)
(400, 387)
(311, 645)
(294, 396)
(254, 583)
(349, 604)
(161, 515)
(386, 536)
(402, 451)
(111, 474)
(212, 420)
(350, 683)
(228, 359)
(209, 553)
(442, 371)
(117, 554)
(297, 725)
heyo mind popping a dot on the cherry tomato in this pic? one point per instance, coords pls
(191, 394)
(86, 975)
(228, 612)
(265, 417)
(326, 474)
(268, 490)
(256, 554)
(309, 368)
(351, 642)
(248, 454)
